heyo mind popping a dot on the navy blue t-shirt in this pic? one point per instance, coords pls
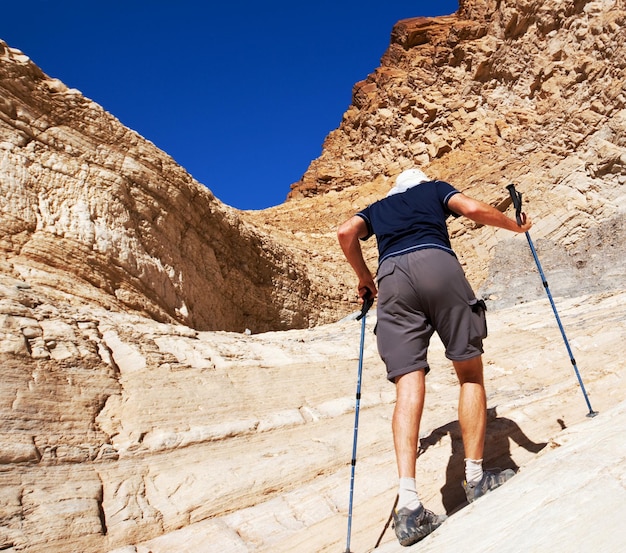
(411, 220)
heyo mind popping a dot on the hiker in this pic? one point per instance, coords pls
(422, 289)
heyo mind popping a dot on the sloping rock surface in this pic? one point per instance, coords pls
(123, 434)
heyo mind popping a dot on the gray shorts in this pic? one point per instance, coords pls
(421, 292)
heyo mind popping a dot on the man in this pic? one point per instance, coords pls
(423, 289)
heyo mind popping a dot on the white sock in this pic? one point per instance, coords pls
(407, 494)
(473, 470)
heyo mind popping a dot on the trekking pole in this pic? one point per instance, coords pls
(520, 217)
(368, 300)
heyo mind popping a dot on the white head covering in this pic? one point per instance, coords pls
(408, 179)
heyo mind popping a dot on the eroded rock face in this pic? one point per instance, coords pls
(523, 92)
(92, 209)
(500, 92)
(521, 80)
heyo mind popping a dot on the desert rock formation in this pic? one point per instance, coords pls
(137, 416)
(524, 92)
(92, 209)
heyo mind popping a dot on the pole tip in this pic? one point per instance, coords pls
(592, 414)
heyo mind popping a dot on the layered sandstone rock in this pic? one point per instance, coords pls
(524, 92)
(121, 434)
(92, 209)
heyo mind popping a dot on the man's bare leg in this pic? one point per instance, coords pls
(473, 421)
(412, 522)
(472, 406)
(410, 394)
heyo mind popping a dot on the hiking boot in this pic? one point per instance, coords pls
(491, 480)
(413, 526)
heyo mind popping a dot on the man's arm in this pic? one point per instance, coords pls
(485, 214)
(348, 235)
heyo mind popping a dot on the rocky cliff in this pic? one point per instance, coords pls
(528, 83)
(527, 92)
(91, 209)
(133, 418)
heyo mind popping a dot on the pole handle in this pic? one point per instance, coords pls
(368, 301)
(517, 204)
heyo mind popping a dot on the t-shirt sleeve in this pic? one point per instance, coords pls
(365, 215)
(445, 191)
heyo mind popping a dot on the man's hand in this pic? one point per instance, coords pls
(526, 223)
(367, 290)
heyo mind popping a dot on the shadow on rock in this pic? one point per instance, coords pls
(500, 431)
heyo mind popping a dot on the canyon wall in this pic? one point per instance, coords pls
(137, 415)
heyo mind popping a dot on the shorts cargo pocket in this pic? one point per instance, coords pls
(479, 320)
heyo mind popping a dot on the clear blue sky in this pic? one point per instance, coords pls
(241, 94)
